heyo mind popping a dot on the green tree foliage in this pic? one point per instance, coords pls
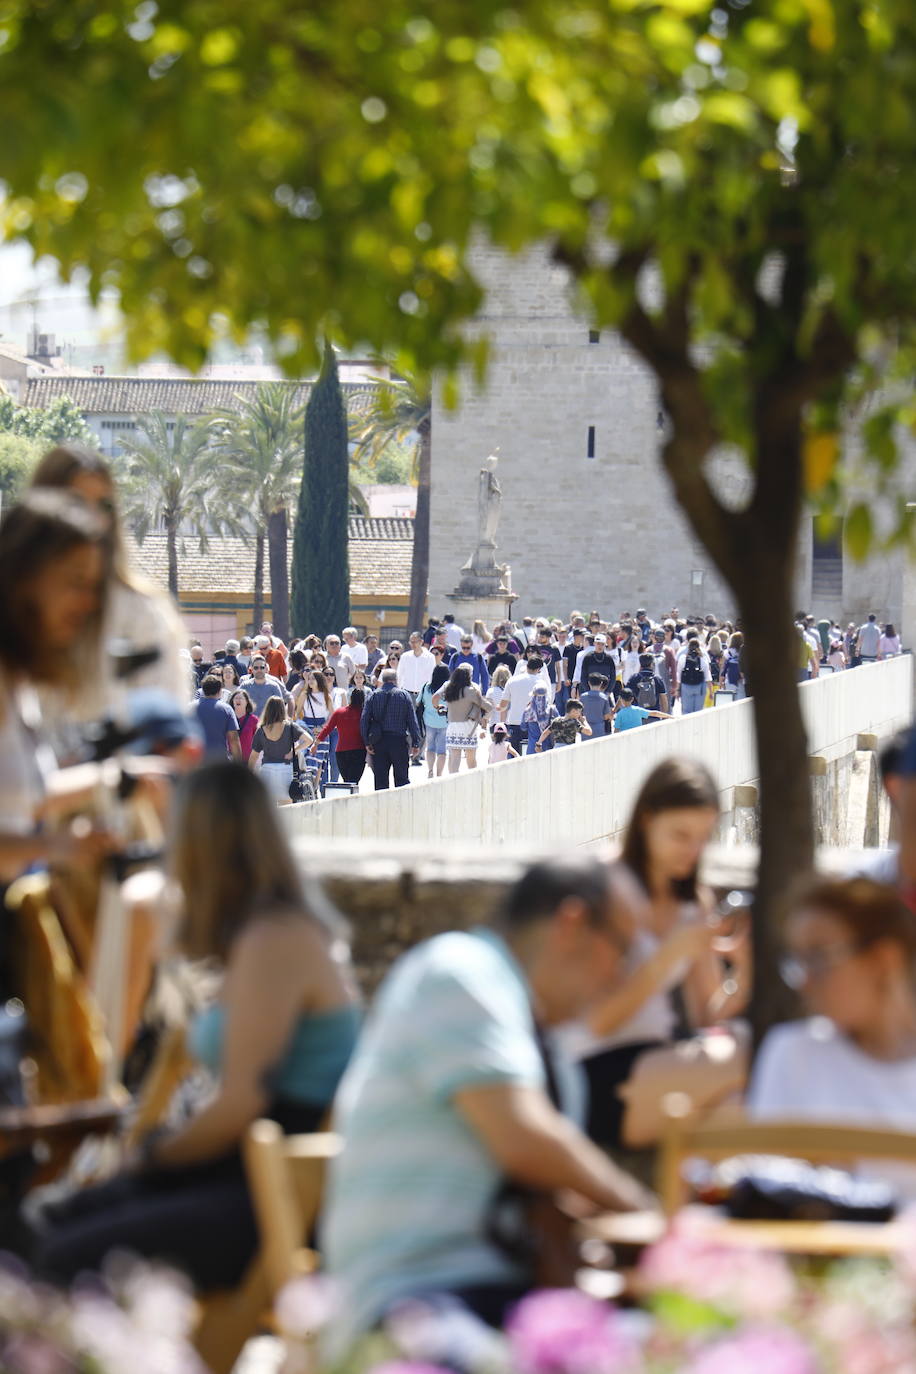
(54, 424)
(727, 183)
(169, 478)
(321, 571)
(402, 412)
(18, 456)
(260, 446)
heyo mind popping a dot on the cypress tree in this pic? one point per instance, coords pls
(321, 569)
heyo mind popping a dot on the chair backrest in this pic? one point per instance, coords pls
(171, 1063)
(286, 1179)
(731, 1132)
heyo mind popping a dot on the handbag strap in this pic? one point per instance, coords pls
(292, 731)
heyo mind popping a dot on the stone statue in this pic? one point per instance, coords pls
(489, 507)
(482, 576)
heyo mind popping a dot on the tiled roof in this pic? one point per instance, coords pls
(173, 396)
(380, 555)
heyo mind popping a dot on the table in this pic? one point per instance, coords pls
(815, 1238)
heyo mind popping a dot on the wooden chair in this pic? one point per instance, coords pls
(730, 1132)
(286, 1178)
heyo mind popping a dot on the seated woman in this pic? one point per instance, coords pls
(852, 952)
(627, 1042)
(279, 1038)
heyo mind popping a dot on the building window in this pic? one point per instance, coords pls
(590, 451)
(594, 336)
(827, 565)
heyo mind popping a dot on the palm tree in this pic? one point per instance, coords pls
(168, 477)
(261, 447)
(402, 410)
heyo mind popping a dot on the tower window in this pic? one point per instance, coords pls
(594, 336)
(590, 451)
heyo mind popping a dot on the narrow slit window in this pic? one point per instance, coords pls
(590, 451)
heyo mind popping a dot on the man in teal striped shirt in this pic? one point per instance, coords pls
(449, 1096)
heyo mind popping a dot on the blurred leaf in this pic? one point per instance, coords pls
(821, 452)
(857, 532)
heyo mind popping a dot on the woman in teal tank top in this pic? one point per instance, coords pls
(278, 1040)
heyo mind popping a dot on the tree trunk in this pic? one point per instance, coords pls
(419, 567)
(786, 831)
(258, 594)
(171, 544)
(279, 572)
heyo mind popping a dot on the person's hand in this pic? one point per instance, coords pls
(690, 941)
(289, 755)
(81, 845)
(314, 748)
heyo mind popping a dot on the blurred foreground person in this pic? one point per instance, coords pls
(629, 1041)
(452, 1094)
(134, 614)
(52, 568)
(851, 955)
(278, 1039)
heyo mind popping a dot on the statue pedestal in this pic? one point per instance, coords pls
(486, 596)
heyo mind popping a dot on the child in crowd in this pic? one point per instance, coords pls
(500, 748)
(597, 705)
(627, 715)
(566, 729)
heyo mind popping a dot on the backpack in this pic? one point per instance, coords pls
(692, 673)
(732, 669)
(646, 692)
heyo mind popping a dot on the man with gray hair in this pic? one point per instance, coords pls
(388, 721)
(340, 663)
(352, 647)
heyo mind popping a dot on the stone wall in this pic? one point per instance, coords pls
(584, 795)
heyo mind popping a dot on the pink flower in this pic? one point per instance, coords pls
(305, 1305)
(563, 1331)
(738, 1282)
(761, 1351)
(407, 1367)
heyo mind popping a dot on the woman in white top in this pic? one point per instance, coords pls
(627, 1042)
(480, 638)
(851, 955)
(889, 643)
(629, 656)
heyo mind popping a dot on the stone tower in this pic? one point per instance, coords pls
(588, 520)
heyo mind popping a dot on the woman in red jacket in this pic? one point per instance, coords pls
(351, 751)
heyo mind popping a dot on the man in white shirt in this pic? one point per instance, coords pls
(352, 647)
(515, 698)
(415, 668)
(453, 632)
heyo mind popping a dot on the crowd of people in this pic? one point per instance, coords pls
(520, 689)
(530, 1055)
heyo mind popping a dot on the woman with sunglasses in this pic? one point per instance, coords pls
(851, 956)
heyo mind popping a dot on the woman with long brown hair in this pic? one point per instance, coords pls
(627, 1043)
(278, 1038)
(134, 612)
(276, 743)
(52, 572)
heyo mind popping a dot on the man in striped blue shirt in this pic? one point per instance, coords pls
(449, 1096)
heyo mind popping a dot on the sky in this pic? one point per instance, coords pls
(33, 294)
